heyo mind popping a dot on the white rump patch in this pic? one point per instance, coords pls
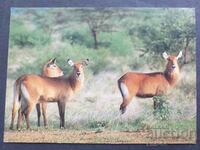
(25, 92)
(124, 89)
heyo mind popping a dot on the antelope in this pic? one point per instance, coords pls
(37, 88)
(146, 85)
(50, 69)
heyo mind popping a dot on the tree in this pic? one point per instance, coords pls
(179, 26)
(98, 20)
(169, 30)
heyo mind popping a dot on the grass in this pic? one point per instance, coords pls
(94, 109)
(93, 116)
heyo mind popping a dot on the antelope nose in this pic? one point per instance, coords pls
(78, 73)
(173, 66)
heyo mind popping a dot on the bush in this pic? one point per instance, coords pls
(161, 108)
(80, 37)
(120, 43)
(21, 35)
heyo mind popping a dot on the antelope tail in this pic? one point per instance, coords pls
(16, 102)
(123, 89)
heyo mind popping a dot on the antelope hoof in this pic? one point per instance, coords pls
(11, 128)
(123, 110)
(28, 128)
(62, 128)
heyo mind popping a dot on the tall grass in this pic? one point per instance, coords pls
(96, 107)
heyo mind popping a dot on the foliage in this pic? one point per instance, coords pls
(119, 43)
(78, 37)
(170, 30)
(161, 108)
(22, 36)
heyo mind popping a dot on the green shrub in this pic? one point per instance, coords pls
(161, 108)
(21, 35)
(119, 43)
(78, 36)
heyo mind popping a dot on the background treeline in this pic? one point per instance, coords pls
(102, 34)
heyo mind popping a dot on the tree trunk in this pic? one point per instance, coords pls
(186, 51)
(94, 34)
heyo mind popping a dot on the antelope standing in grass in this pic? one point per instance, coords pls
(149, 84)
(36, 88)
(50, 69)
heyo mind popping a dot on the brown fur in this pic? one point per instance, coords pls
(45, 89)
(50, 69)
(149, 84)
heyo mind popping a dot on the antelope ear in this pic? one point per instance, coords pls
(165, 55)
(50, 60)
(85, 62)
(70, 62)
(179, 55)
(54, 61)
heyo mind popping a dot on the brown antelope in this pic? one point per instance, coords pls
(50, 69)
(37, 88)
(149, 84)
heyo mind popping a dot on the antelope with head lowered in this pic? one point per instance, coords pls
(149, 84)
(36, 88)
(50, 69)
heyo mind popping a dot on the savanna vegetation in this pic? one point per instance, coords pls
(116, 40)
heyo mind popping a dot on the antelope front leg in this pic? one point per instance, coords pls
(38, 113)
(61, 107)
(44, 109)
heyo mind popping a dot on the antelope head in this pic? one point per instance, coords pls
(172, 62)
(50, 69)
(78, 67)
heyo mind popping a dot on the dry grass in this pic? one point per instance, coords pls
(107, 137)
(96, 109)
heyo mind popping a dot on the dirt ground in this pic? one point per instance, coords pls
(108, 137)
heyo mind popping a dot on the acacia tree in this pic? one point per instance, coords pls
(98, 20)
(169, 30)
(179, 26)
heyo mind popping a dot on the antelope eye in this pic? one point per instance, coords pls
(53, 66)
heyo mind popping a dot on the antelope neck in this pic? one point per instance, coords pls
(76, 83)
(172, 77)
